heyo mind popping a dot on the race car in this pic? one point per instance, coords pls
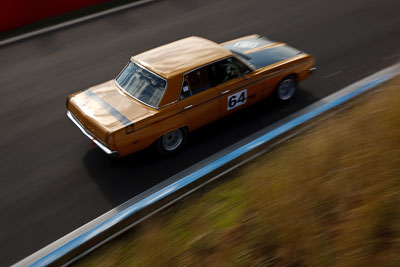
(163, 94)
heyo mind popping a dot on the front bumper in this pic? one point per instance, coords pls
(91, 137)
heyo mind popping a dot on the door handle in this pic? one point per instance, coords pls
(225, 92)
(187, 107)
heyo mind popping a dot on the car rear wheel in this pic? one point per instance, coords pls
(172, 141)
(286, 88)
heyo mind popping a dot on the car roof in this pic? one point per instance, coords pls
(181, 56)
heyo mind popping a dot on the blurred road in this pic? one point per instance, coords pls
(52, 181)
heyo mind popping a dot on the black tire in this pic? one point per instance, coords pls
(172, 142)
(286, 89)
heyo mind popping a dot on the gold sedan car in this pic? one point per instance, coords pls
(166, 92)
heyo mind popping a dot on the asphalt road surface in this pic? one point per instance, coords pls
(53, 181)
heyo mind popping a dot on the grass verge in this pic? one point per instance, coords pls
(329, 197)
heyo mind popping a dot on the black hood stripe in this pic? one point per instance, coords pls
(115, 113)
(263, 58)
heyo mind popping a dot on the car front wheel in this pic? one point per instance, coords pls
(286, 88)
(172, 141)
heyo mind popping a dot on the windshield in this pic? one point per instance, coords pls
(243, 57)
(142, 84)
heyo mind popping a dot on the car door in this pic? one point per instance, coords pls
(199, 99)
(236, 85)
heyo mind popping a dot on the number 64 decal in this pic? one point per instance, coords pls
(237, 99)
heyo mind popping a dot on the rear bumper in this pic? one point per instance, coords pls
(91, 137)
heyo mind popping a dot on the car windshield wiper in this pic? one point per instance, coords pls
(246, 58)
(241, 54)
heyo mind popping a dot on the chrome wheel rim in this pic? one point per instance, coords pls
(172, 140)
(287, 89)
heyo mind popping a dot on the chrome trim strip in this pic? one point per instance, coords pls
(85, 132)
(169, 104)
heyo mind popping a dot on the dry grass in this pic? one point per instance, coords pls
(330, 197)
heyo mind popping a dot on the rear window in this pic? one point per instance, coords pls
(142, 84)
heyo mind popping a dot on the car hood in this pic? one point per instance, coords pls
(108, 106)
(260, 51)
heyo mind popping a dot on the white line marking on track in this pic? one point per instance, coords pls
(74, 21)
(392, 56)
(333, 74)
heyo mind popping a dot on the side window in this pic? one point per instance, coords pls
(228, 69)
(185, 92)
(196, 82)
